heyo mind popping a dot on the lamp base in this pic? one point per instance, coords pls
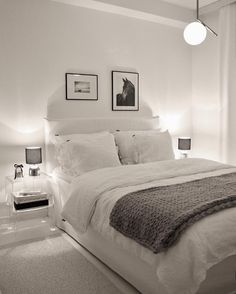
(34, 171)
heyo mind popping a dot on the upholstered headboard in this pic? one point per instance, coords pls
(89, 125)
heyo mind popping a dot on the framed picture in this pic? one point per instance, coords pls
(125, 90)
(81, 86)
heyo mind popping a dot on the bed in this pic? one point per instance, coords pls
(190, 266)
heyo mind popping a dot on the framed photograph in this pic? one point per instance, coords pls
(125, 90)
(81, 86)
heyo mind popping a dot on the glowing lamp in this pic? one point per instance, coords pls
(33, 156)
(195, 33)
(184, 145)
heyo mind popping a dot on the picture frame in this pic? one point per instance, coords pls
(125, 91)
(81, 86)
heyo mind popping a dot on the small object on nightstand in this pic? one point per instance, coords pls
(184, 145)
(33, 156)
(18, 171)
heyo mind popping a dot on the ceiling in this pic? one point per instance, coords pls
(190, 3)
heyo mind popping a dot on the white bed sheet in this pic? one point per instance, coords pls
(202, 245)
(61, 188)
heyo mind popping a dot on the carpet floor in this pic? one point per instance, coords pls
(50, 266)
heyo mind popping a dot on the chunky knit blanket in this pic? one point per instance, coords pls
(156, 217)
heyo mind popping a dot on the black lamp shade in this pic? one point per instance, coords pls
(33, 155)
(184, 143)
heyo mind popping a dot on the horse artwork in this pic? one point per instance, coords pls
(125, 90)
(127, 97)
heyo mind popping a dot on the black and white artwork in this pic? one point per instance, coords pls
(81, 86)
(125, 90)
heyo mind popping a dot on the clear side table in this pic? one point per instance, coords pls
(33, 218)
(27, 184)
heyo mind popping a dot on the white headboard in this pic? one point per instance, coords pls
(89, 125)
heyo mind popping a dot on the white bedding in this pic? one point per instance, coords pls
(204, 244)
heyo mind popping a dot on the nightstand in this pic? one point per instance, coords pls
(33, 219)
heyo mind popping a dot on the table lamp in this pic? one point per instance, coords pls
(184, 145)
(33, 156)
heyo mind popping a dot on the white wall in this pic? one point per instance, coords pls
(206, 94)
(42, 39)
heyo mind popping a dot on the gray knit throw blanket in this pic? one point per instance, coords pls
(156, 217)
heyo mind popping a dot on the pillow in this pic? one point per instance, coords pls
(58, 173)
(154, 147)
(62, 155)
(87, 152)
(58, 139)
(126, 148)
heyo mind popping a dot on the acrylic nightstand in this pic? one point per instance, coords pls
(31, 222)
(27, 184)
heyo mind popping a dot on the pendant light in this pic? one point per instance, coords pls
(195, 32)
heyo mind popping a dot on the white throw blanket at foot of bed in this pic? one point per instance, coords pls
(182, 267)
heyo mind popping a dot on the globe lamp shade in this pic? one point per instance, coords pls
(195, 33)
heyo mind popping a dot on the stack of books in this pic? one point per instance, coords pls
(25, 200)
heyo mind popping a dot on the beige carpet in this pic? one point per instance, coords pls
(50, 266)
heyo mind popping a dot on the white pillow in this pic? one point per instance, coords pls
(126, 148)
(62, 155)
(154, 147)
(87, 152)
(58, 173)
(58, 139)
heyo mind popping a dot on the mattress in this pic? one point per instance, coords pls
(202, 245)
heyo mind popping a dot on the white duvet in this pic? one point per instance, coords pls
(202, 245)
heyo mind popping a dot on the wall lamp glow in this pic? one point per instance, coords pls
(195, 32)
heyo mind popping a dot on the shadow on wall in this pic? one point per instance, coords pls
(59, 107)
